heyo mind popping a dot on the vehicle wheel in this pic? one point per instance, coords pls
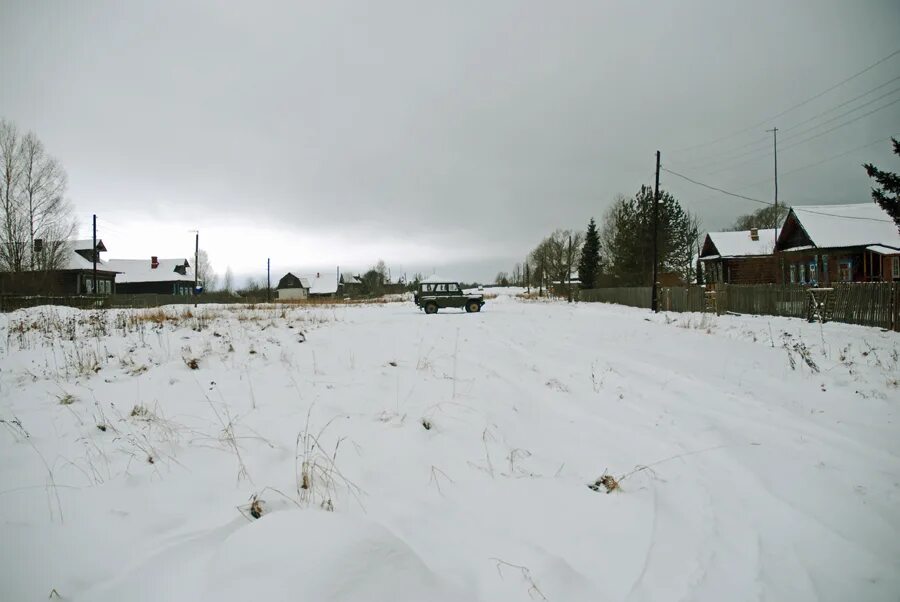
(473, 306)
(431, 308)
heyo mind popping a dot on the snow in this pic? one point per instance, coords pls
(882, 250)
(434, 278)
(740, 244)
(74, 261)
(321, 283)
(140, 270)
(771, 450)
(858, 224)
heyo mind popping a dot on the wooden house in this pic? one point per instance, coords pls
(351, 284)
(153, 276)
(74, 277)
(742, 257)
(320, 284)
(291, 287)
(823, 244)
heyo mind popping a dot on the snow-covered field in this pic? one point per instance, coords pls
(399, 456)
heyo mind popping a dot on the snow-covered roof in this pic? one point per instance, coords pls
(351, 278)
(740, 243)
(883, 250)
(76, 261)
(141, 270)
(853, 225)
(322, 283)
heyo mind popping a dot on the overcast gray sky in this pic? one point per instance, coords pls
(448, 136)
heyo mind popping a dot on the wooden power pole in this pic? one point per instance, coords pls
(196, 265)
(94, 257)
(654, 296)
(774, 131)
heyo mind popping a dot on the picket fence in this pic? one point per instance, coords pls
(866, 303)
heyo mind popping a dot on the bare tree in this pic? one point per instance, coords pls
(516, 276)
(35, 218)
(12, 228)
(205, 272)
(556, 256)
(48, 213)
(228, 282)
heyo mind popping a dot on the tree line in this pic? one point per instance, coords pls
(618, 251)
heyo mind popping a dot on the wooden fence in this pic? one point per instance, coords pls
(14, 302)
(865, 303)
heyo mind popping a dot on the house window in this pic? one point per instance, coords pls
(825, 276)
(813, 275)
(793, 273)
(895, 268)
(845, 270)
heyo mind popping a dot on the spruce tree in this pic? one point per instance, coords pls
(589, 264)
(888, 196)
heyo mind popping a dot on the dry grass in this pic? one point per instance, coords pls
(607, 482)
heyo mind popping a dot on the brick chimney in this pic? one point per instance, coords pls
(318, 275)
(754, 234)
(154, 262)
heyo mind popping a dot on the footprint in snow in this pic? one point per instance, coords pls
(557, 385)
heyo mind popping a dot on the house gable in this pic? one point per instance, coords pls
(709, 248)
(793, 234)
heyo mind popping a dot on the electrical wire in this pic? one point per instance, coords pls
(747, 198)
(762, 143)
(791, 108)
(805, 140)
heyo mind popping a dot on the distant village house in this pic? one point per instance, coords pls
(153, 276)
(320, 284)
(75, 276)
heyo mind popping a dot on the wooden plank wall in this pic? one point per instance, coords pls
(874, 304)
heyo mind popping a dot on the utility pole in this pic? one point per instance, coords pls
(569, 268)
(269, 280)
(94, 257)
(527, 278)
(196, 264)
(541, 290)
(654, 296)
(774, 131)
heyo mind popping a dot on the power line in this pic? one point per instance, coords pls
(844, 114)
(845, 103)
(796, 106)
(747, 198)
(839, 126)
(734, 194)
(843, 154)
(721, 161)
(745, 185)
(805, 140)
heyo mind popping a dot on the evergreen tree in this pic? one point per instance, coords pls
(888, 196)
(589, 264)
(628, 238)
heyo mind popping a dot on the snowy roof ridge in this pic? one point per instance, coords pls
(140, 270)
(847, 225)
(740, 243)
(319, 283)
